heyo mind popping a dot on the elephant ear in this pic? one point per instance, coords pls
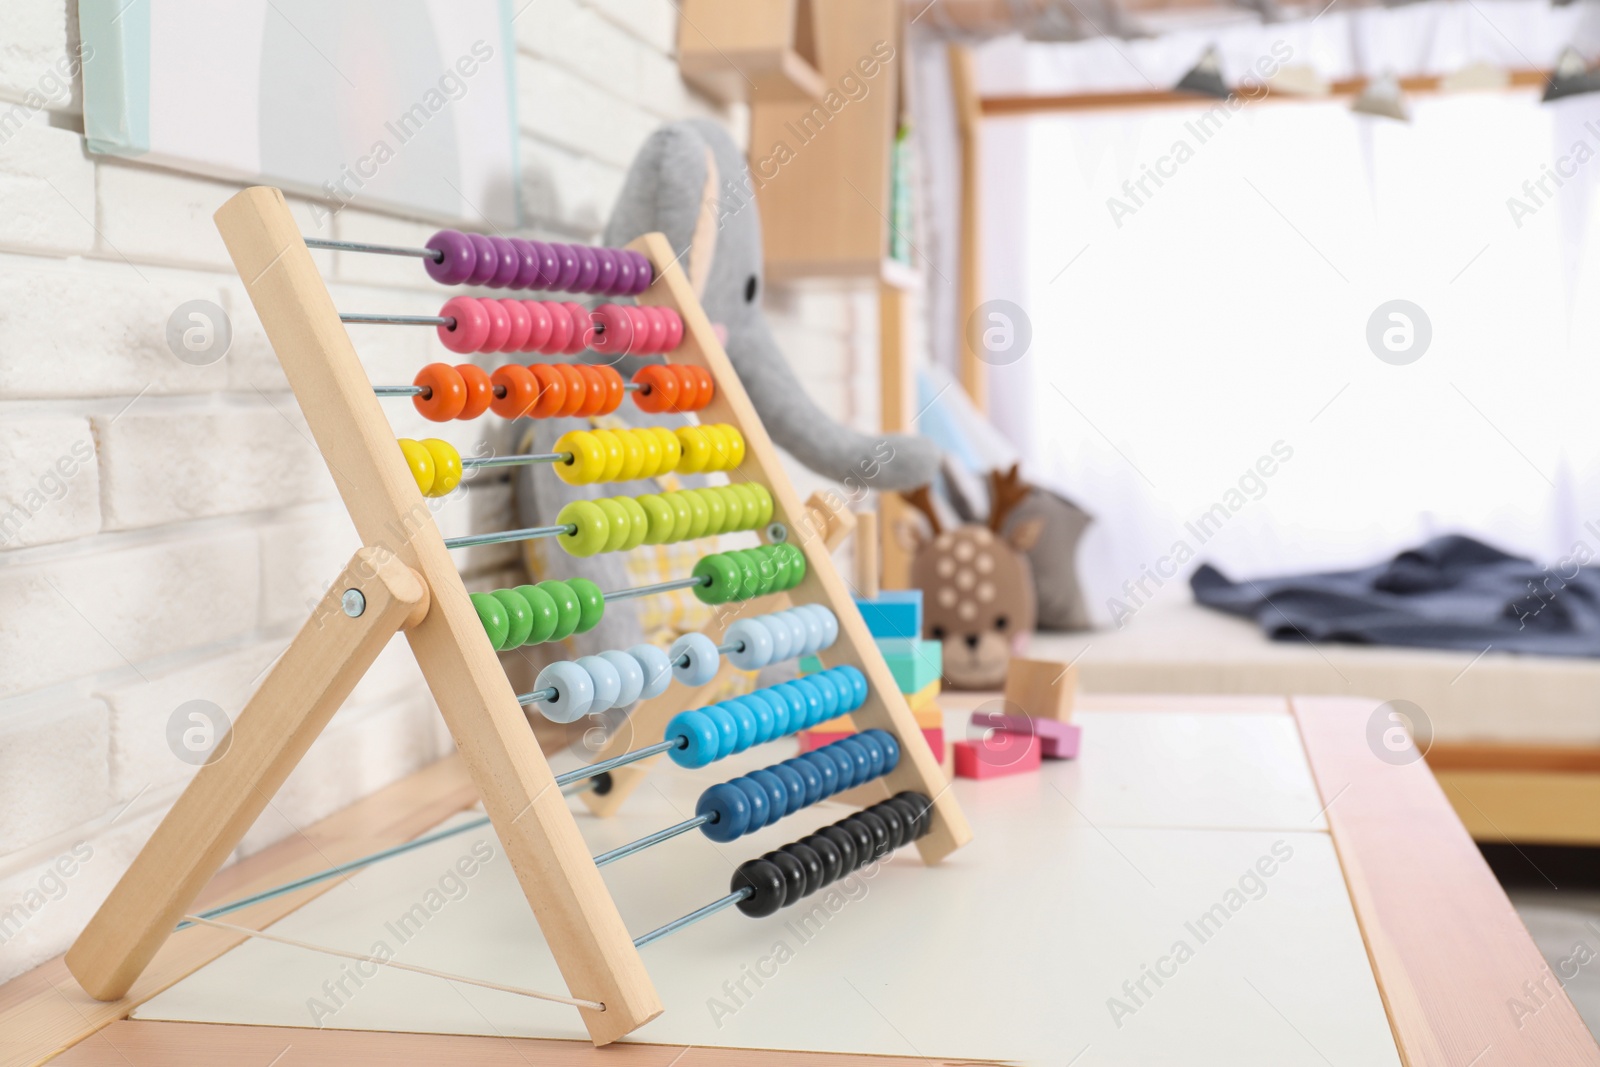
(672, 188)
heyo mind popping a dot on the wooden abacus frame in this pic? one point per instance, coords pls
(407, 581)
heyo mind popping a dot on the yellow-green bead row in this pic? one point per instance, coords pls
(620, 523)
(628, 454)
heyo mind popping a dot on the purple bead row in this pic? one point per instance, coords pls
(513, 263)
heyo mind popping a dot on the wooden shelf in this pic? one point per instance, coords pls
(823, 169)
(891, 272)
(750, 50)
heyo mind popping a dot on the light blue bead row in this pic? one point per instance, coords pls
(719, 730)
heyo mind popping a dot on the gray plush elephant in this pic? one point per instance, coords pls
(672, 189)
(676, 187)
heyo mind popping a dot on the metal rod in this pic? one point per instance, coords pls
(722, 650)
(594, 770)
(530, 534)
(418, 390)
(382, 250)
(659, 587)
(648, 840)
(516, 461)
(397, 320)
(693, 917)
(383, 854)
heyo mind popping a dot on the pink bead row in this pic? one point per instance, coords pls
(487, 324)
(513, 263)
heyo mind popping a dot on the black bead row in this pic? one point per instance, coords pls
(799, 869)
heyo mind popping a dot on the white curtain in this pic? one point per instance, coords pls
(1217, 329)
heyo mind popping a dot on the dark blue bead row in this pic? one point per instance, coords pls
(761, 798)
(708, 734)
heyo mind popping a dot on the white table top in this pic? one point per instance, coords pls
(1040, 942)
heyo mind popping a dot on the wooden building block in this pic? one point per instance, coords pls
(1057, 740)
(1042, 689)
(997, 755)
(893, 613)
(914, 669)
(1064, 746)
(926, 695)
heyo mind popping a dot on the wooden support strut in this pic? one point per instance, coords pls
(300, 694)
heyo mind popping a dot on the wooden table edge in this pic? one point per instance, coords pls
(1448, 951)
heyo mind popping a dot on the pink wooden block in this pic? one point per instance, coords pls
(997, 755)
(1057, 740)
(1064, 746)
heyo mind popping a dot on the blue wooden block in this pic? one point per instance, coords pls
(895, 613)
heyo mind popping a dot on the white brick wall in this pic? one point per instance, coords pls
(49, 480)
(47, 186)
(197, 524)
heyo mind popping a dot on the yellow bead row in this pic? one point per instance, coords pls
(435, 464)
(627, 454)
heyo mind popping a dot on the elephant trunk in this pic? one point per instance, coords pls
(881, 462)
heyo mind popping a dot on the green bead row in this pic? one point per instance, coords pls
(749, 573)
(623, 523)
(534, 614)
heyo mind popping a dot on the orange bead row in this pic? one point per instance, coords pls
(673, 387)
(551, 390)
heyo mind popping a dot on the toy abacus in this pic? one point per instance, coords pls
(405, 580)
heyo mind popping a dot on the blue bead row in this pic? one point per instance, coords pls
(719, 730)
(761, 798)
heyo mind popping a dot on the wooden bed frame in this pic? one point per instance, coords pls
(1444, 944)
(1523, 794)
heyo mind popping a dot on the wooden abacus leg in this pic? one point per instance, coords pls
(647, 722)
(303, 690)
